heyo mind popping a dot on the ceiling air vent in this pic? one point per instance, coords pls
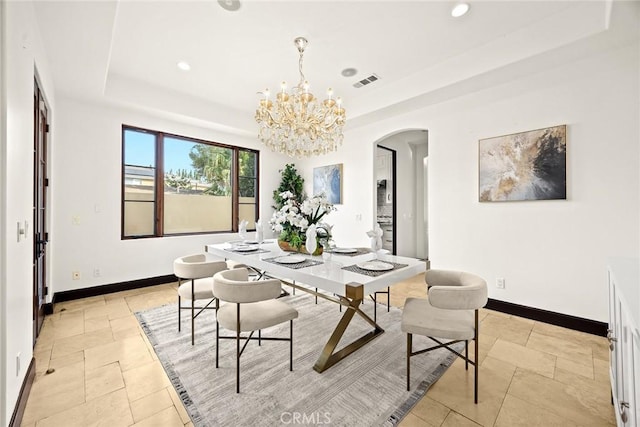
(372, 78)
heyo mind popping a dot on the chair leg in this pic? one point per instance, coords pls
(316, 295)
(409, 350)
(291, 345)
(466, 355)
(259, 337)
(375, 310)
(475, 340)
(179, 305)
(193, 312)
(388, 298)
(238, 350)
(217, 331)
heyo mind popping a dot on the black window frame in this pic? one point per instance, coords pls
(158, 228)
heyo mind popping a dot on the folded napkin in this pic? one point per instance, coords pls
(259, 231)
(376, 238)
(242, 229)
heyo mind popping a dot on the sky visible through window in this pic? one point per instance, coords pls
(140, 151)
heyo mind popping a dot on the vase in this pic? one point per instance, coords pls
(287, 247)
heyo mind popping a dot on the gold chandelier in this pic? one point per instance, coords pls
(298, 125)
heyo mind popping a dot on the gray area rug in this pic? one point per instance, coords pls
(368, 388)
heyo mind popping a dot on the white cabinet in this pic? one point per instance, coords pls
(624, 337)
(387, 237)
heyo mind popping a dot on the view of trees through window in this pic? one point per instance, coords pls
(197, 179)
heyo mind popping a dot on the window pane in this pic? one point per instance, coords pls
(247, 187)
(139, 148)
(139, 183)
(248, 213)
(192, 213)
(138, 218)
(197, 187)
(247, 160)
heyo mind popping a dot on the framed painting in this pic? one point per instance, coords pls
(328, 180)
(524, 166)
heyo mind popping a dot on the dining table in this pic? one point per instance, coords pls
(346, 275)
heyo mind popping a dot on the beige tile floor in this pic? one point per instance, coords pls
(105, 372)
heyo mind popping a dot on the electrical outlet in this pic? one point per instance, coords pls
(500, 282)
(17, 364)
(75, 275)
(96, 272)
(75, 220)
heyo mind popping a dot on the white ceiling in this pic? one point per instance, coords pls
(126, 51)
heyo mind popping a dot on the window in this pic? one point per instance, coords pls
(174, 185)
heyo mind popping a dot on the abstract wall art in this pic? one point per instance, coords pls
(524, 166)
(328, 180)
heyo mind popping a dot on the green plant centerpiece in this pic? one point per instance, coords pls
(295, 213)
(293, 220)
(292, 182)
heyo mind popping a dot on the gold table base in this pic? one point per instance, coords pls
(354, 297)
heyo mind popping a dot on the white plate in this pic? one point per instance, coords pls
(375, 266)
(290, 259)
(252, 242)
(245, 248)
(344, 251)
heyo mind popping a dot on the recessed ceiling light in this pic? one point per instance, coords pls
(231, 5)
(349, 72)
(459, 10)
(184, 65)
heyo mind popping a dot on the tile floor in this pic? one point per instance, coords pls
(105, 372)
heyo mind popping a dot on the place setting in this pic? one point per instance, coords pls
(293, 261)
(246, 246)
(349, 251)
(374, 267)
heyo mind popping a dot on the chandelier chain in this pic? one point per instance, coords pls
(302, 79)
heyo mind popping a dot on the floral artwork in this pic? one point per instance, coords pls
(328, 180)
(294, 218)
(524, 166)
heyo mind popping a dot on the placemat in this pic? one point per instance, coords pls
(258, 251)
(359, 270)
(306, 263)
(360, 251)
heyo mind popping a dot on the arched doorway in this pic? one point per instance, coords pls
(401, 202)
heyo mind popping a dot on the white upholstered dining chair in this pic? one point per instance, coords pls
(253, 307)
(198, 270)
(450, 312)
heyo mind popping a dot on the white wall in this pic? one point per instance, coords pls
(552, 254)
(21, 55)
(420, 152)
(3, 224)
(86, 173)
(357, 213)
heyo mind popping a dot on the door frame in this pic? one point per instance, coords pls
(40, 232)
(394, 199)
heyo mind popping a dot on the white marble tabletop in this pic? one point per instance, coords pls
(328, 276)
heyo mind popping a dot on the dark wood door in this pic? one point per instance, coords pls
(40, 234)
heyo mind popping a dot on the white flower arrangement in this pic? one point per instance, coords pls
(293, 219)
